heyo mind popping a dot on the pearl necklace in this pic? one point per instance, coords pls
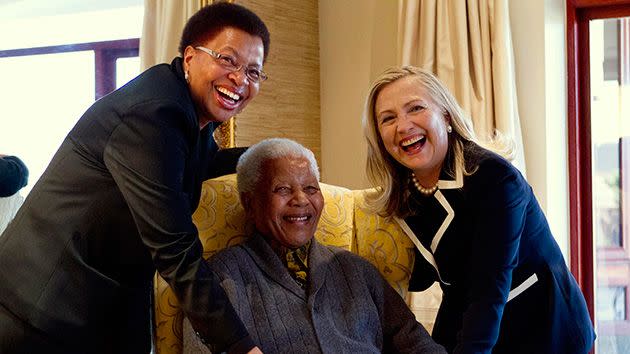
(424, 191)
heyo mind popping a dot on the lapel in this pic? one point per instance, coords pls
(319, 259)
(270, 264)
(458, 182)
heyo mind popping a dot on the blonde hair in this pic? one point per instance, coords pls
(389, 176)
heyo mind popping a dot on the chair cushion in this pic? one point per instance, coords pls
(381, 241)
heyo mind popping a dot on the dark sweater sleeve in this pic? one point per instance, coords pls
(13, 175)
(402, 333)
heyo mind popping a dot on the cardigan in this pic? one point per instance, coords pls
(114, 205)
(506, 287)
(347, 306)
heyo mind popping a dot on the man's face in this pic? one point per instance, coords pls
(287, 202)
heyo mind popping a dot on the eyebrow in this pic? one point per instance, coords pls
(378, 114)
(235, 53)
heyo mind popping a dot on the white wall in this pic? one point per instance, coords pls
(539, 40)
(357, 42)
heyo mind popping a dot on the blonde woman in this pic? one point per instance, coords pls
(476, 224)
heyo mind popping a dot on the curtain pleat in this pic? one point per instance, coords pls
(162, 29)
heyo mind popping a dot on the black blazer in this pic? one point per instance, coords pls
(114, 205)
(506, 287)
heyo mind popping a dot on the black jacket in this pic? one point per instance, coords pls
(506, 286)
(114, 205)
(13, 175)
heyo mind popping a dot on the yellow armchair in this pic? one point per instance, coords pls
(345, 222)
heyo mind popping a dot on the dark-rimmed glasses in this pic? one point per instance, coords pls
(229, 63)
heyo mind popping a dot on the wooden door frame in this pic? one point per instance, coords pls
(579, 13)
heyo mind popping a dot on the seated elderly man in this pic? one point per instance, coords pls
(294, 294)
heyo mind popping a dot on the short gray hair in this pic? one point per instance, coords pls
(249, 167)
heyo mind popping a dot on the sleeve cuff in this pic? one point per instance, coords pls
(243, 345)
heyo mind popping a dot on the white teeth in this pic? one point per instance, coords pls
(229, 93)
(412, 140)
(297, 218)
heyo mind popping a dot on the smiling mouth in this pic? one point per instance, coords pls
(228, 95)
(413, 143)
(297, 218)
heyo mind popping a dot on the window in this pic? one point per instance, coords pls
(599, 164)
(72, 53)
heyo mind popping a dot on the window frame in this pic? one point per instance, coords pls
(582, 245)
(105, 55)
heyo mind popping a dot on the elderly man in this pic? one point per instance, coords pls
(294, 294)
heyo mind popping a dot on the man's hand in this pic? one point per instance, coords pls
(255, 350)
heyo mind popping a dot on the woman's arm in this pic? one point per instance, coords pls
(147, 155)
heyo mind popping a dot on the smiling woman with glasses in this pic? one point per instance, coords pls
(122, 188)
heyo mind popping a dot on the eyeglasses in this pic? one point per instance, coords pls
(229, 63)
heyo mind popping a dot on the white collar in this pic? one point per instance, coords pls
(458, 182)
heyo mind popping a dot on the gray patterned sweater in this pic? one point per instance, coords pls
(347, 307)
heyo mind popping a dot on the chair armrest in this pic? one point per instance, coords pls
(168, 319)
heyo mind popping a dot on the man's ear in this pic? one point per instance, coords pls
(246, 201)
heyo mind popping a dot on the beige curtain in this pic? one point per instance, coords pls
(162, 29)
(468, 45)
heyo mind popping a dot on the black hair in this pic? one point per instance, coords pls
(211, 19)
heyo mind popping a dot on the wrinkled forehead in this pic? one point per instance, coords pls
(286, 168)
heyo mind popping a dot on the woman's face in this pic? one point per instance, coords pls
(217, 92)
(412, 128)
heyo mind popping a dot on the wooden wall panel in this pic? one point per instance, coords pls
(288, 104)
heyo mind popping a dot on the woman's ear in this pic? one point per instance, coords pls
(189, 52)
(447, 122)
(447, 117)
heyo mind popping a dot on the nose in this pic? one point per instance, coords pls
(238, 76)
(403, 125)
(299, 198)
